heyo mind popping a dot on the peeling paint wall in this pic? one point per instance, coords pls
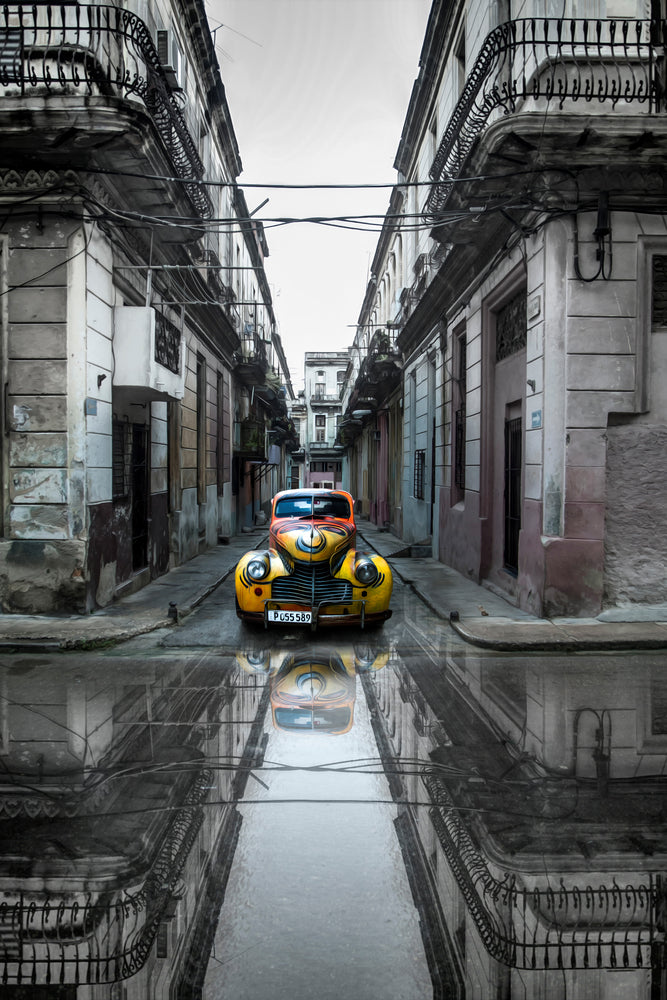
(43, 552)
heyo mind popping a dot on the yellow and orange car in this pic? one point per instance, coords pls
(312, 573)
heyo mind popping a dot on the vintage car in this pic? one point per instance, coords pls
(311, 573)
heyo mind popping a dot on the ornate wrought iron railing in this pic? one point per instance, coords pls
(551, 927)
(550, 62)
(97, 938)
(102, 50)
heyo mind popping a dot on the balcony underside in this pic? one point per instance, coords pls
(531, 164)
(252, 372)
(99, 134)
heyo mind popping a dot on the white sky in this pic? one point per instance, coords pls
(318, 91)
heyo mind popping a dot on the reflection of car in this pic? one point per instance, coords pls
(312, 574)
(313, 691)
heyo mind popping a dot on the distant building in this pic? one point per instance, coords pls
(324, 377)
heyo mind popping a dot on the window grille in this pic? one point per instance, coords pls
(460, 448)
(167, 343)
(659, 293)
(511, 327)
(460, 417)
(119, 461)
(420, 467)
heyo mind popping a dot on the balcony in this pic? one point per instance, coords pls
(324, 399)
(81, 86)
(250, 361)
(532, 76)
(251, 440)
(380, 370)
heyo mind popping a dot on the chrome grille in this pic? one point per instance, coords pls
(312, 584)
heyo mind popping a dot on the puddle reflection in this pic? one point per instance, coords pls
(207, 825)
(313, 690)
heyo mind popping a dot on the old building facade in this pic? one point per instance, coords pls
(324, 372)
(136, 317)
(524, 286)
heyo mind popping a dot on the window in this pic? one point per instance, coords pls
(419, 471)
(120, 470)
(459, 401)
(222, 435)
(201, 429)
(659, 296)
(460, 64)
(300, 506)
(162, 940)
(320, 426)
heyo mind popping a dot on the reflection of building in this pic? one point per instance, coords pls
(109, 832)
(539, 844)
(324, 374)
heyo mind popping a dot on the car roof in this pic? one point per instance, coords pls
(310, 492)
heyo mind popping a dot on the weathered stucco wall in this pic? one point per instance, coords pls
(636, 520)
(42, 554)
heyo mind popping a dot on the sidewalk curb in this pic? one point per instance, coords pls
(110, 638)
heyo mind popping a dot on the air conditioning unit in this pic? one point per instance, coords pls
(149, 354)
(170, 56)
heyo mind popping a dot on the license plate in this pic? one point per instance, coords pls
(291, 617)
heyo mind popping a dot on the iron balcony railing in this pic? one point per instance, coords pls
(550, 62)
(102, 51)
(552, 926)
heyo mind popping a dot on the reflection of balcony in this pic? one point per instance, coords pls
(98, 937)
(528, 925)
(88, 59)
(556, 871)
(546, 68)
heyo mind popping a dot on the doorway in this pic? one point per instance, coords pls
(139, 495)
(512, 492)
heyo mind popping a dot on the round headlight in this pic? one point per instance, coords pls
(366, 572)
(257, 568)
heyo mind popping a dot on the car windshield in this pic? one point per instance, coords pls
(299, 719)
(303, 506)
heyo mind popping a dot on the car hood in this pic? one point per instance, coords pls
(313, 539)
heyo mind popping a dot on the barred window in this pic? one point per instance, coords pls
(511, 326)
(420, 467)
(119, 463)
(167, 343)
(659, 294)
(460, 416)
